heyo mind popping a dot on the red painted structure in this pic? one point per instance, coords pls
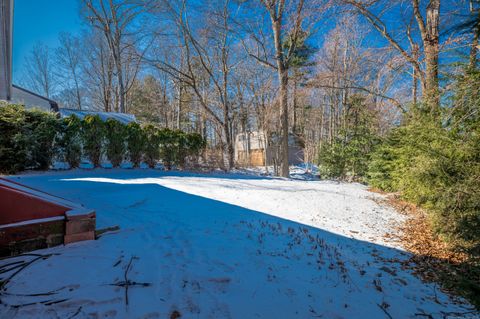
(31, 219)
(17, 206)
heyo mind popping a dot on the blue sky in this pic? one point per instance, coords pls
(41, 20)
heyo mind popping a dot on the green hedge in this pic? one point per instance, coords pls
(136, 142)
(115, 139)
(93, 138)
(69, 141)
(31, 139)
(176, 146)
(26, 138)
(152, 145)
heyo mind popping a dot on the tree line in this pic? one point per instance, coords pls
(222, 67)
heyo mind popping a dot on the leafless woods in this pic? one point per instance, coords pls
(279, 67)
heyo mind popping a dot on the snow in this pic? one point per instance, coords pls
(32, 221)
(121, 117)
(223, 246)
(86, 164)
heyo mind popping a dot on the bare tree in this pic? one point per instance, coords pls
(39, 73)
(98, 72)
(428, 27)
(347, 67)
(286, 18)
(115, 19)
(68, 60)
(206, 65)
(474, 47)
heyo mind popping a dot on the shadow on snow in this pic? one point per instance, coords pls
(205, 258)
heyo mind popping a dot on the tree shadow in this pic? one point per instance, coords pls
(126, 173)
(206, 258)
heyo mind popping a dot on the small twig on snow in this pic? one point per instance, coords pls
(45, 302)
(384, 306)
(126, 283)
(423, 314)
(4, 282)
(76, 313)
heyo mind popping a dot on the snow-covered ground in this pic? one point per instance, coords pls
(222, 246)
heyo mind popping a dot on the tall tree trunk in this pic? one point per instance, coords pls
(476, 33)
(322, 126)
(474, 49)
(294, 107)
(121, 87)
(414, 86)
(415, 74)
(179, 106)
(282, 72)
(277, 9)
(228, 149)
(284, 169)
(79, 97)
(431, 47)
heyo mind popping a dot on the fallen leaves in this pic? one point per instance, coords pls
(433, 259)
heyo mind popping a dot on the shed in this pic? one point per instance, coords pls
(254, 149)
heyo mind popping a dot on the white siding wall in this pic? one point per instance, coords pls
(29, 100)
(6, 16)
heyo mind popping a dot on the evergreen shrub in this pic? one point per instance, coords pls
(69, 141)
(13, 141)
(40, 131)
(93, 137)
(152, 145)
(115, 141)
(136, 142)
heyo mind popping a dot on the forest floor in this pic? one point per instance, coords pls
(217, 245)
